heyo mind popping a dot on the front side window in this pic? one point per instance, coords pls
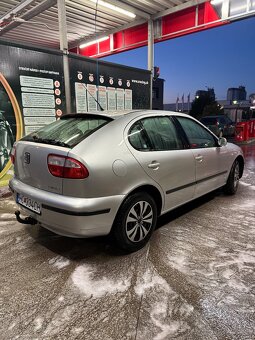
(198, 136)
(154, 134)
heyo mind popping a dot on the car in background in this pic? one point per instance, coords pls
(220, 125)
(94, 174)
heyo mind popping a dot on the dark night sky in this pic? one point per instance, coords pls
(220, 57)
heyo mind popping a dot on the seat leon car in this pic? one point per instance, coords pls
(94, 174)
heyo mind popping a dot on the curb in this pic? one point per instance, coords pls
(248, 142)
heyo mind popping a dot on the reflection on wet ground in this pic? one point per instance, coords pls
(194, 280)
(249, 154)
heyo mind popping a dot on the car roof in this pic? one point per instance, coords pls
(125, 113)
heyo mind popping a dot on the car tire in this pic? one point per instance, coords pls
(233, 179)
(135, 222)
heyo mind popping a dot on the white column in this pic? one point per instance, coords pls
(225, 9)
(64, 48)
(151, 55)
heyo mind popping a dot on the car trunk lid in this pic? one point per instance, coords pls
(56, 139)
(31, 165)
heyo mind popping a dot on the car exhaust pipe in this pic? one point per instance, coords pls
(27, 220)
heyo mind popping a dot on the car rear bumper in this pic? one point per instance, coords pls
(70, 216)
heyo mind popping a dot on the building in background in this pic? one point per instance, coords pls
(252, 100)
(236, 94)
(237, 108)
(209, 92)
(158, 94)
(172, 107)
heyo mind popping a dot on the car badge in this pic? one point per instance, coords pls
(27, 157)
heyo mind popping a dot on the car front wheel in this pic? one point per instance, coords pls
(135, 222)
(233, 179)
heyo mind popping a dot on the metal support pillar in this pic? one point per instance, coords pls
(151, 55)
(64, 49)
(225, 9)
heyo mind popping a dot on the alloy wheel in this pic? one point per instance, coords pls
(139, 221)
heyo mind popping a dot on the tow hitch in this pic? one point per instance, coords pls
(27, 220)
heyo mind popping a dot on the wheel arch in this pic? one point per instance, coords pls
(149, 189)
(153, 192)
(119, 230)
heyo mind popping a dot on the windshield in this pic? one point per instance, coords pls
(68, 131)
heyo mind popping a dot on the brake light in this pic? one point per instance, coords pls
(13, 154)
(66, 167)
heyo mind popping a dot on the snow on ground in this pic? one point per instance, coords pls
(168, 311)
(59, 262)
(7, 216)
(38, 322)
(150, 281)
(244, 184)
(60, 318)
(167, 330)
(84, 278)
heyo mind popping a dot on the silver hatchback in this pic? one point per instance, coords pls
(91, 174)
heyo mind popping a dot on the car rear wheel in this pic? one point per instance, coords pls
(135, 222)
(233, 179)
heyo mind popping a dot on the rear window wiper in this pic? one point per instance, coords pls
(50, 141)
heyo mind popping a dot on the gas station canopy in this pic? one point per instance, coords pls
(97, 28)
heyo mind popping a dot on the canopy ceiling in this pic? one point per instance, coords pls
(35, 22)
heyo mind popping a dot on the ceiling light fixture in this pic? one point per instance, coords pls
(114, 8)
(216, 2)
(94, 42)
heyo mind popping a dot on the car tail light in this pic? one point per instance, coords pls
(66, 167)
(13, 154)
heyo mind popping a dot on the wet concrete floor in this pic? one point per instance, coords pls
(194, 280)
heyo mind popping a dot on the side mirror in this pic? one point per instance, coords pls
(222, 141)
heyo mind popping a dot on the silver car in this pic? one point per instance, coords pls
(94, 174)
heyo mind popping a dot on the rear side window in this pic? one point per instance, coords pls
(154, 134)
(68, 131)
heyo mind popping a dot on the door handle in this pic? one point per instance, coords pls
(154, 165)
(199, 158)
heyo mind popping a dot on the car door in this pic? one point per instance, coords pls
(155, 143)
(210, 158)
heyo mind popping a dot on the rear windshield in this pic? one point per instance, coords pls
(68, 131)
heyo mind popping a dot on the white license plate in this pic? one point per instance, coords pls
(29, 203)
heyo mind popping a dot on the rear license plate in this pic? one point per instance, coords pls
(29, 203)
